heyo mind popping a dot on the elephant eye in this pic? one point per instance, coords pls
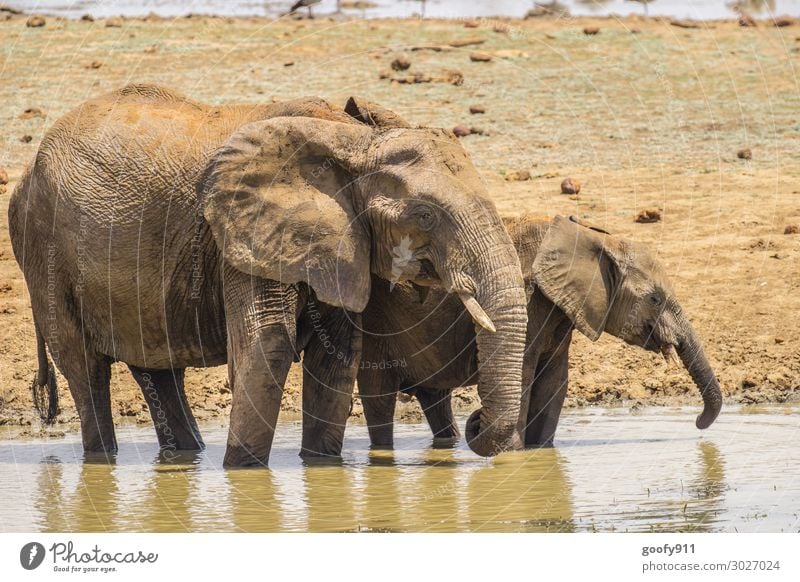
(426, 219)
(656, 300)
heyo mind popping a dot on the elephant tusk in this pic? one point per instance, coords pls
(670, 355)
(476, 311)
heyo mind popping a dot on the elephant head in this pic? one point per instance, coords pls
(604, 283)
(327, 202)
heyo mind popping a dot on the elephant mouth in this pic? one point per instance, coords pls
(427, 275)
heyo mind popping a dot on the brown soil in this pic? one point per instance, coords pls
(647, 120)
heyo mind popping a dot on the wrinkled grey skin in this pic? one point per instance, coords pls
(576, 276)
(164, 233)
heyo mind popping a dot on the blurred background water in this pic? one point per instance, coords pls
(695, 9)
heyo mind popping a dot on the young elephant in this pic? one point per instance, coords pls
(576, 276)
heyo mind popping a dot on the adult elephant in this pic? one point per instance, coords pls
(164, 233)
(576, 277)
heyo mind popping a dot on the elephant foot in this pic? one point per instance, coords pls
(445, 442)
(238, 456)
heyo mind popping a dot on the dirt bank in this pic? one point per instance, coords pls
(643, 113)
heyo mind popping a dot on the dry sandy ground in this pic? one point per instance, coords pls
(645, 114)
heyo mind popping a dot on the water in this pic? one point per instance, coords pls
(610, 471)
(697, 9)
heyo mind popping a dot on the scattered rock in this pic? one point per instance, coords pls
(790, 229)
(36, 21)
(3, 176)
(570, 186)
(466, 42)
(635, 31)
(26, 138)
(31, 112)
(288, 63)
(478, 57)
(385, 74)
(416, 78)
(782, 21)
(461, 130)
(5, 287)
(357, 4)
(501, 28)
(113, 22)
(151, 49)
(591, 30)
(451, 76)
(686, 24)
(744, 154)
(401, 63)
(648, 215)
(471, 24)
(87, 18)
(94, 65)
(9, 310)
(747, 21)
(518, 176)
(475, 109)
(779, 340)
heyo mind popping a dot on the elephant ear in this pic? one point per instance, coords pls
(373, 115)
(279, 198)
(580, 271)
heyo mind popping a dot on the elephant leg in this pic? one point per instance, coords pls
(88, 376)
(378, 391)
(172, 416)
(546, 398)
(437, 406)
(330, 366)
(260, 316)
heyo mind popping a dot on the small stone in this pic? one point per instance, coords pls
(744, 154)
(591, 30)
(401, 63)
(570, 186)
(87, 18)
(461, 130)
(288, 63)
(501, 28)
(9, 310)
(648, 215)
(475, 109)
(782, 21)
(471, 24)
(26, 138)
(94, 65)
(3, 176)
(747, 21)
(779, 340)
(790, 229)
(36, 21)
(113, 22)
(635, 31)
(31, 112)
(151, 49)
(385, 74)
(479, 57)
(518, 176)
(453, 77)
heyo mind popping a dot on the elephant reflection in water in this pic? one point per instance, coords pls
(254, 499)
(329, 499)
(91, 507)
(521, 492)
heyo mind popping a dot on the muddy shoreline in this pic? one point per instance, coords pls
(646, 114)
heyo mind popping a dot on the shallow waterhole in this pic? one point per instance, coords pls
(611, 470)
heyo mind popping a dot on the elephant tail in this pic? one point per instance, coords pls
(44, 387)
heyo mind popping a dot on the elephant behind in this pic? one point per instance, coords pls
(576, 277)
(165, 233)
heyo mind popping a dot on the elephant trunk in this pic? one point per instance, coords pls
(490, 429)
(694, 359)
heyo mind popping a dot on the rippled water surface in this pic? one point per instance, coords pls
(611, 470)
(699, 9)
